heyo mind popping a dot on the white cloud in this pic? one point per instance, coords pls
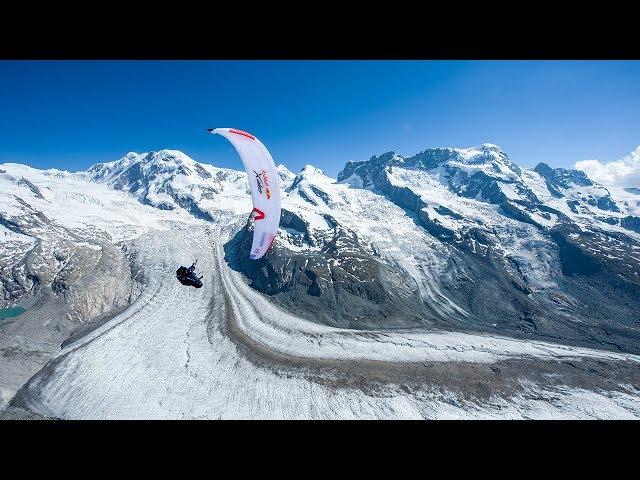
(619, 173)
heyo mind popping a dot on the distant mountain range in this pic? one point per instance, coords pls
(450, 238)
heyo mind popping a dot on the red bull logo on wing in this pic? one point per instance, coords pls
(262, 182)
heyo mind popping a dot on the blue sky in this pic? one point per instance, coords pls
(73, 114)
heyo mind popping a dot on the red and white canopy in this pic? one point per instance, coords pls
(264, 184)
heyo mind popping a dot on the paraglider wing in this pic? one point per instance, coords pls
(264, 184)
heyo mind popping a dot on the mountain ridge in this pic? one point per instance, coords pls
(454, 238)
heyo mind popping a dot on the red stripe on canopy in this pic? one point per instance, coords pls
(240, 132)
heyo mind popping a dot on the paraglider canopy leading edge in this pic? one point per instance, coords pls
(264, 184)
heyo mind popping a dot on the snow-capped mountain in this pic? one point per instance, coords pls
(169, 179)
(549, 247)
(450, 237)
(454, 238)
(446, 240)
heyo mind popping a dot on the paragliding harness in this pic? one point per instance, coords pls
(187, 276)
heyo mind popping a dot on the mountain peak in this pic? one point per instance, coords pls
(633, 158)
(137, 171)
(284, 171)
(286, 176)
(543, 169)
(165, 155)
(311, 170)
(491, 146)
(487, 158)
(562, 176)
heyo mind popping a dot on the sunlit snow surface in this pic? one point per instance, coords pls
(171, 354)
(167, 357)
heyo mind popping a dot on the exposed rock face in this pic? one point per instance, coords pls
(66, 271)
(89, 273)
(338, 283)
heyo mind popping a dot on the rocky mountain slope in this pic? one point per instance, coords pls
(457, 239)
(446, 240)
(546, 251)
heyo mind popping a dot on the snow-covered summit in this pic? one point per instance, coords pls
(137, 169)
(309, 169)
(169, 179)
(286, 175)
(308, 173)
(487, 158)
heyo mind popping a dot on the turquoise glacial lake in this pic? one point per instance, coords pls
(11, 312)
